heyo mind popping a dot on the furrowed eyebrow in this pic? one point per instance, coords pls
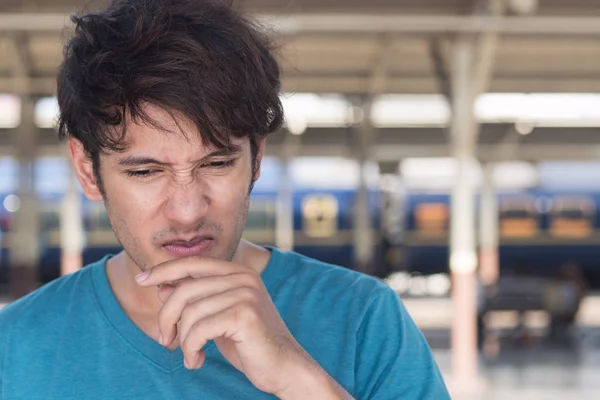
(137, 161)
(226, 151)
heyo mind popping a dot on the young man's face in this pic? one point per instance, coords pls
(169, 195)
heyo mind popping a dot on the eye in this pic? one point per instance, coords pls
(220, 164)
(142, 173)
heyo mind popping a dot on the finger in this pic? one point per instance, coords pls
(189, 267)
(213, 305)
(201, 356)
(192, 290)
(214, 326)
(165, 291)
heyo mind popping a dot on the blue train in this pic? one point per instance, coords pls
(541, 227)
(322, 211)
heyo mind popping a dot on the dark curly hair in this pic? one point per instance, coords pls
(197, 58)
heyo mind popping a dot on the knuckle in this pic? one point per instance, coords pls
(248, 294)
(187, 313)
(251, 279)
(245, 312)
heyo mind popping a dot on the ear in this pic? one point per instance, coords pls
(261, 143)
(82, 164)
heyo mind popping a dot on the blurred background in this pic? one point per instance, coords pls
(448, 147)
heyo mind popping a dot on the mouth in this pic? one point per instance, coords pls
(194, 247)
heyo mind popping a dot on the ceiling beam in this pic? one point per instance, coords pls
(364, 23)
(440, 67)
(22, 63)
(397, 152)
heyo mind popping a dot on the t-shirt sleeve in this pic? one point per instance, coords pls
(393, 359)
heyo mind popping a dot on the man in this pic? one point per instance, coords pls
(166, 105)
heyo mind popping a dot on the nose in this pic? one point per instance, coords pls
(187, 203)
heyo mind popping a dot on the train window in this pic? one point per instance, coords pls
(320, 215)
(49, 220)
(572, 216)
(261, 215)
(518, 218)
(431, 219)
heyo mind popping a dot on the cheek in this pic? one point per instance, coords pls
(227, 194)
(131, 201)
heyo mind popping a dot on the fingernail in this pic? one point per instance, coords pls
(160, 337)
(185, 362)
(142, 277)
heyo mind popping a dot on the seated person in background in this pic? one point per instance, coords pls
(570, 289)
(166, 105)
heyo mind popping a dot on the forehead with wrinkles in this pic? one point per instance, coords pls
(170, 137)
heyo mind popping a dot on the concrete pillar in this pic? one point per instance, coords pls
(463, 256)
(488, 229)
(25, 238)
(284, 226)
(362, 221)
(72, 235)
(284, 219)
(363, 227)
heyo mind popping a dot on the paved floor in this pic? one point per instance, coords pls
(528, 369)
(534, 373)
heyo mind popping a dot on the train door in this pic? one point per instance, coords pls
(324, 228)
(520, 234)
(320, 216)
(427, 237)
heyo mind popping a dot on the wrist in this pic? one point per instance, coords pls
(307, 379)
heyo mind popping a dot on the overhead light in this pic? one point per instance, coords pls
(523, 7)
(46, 112)
(524, 127)
(12, 203)
(296, 124)
(10, 117)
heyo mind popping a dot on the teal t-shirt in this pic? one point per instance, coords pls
(72, 340)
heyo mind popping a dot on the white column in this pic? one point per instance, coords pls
(362, 229)
(284, 226)
(488, 229)
(25, 237)
(71, 228)
(463, 256)
(284, 218)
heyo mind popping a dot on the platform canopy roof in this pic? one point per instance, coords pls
(363, 48)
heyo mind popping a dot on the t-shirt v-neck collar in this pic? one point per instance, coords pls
(162, 357)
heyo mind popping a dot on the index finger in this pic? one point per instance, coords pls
(182, 268)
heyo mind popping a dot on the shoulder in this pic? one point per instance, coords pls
(331, 277)
(332, 290)
(47, 303)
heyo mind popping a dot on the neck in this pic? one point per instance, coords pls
(142, 304)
